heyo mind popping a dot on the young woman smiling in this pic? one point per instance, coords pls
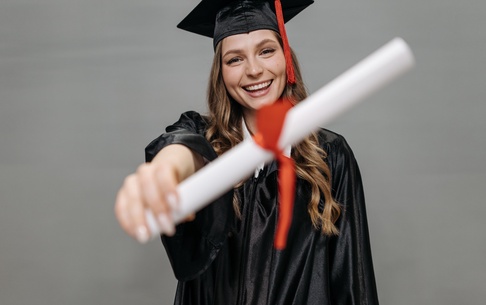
(225, 253)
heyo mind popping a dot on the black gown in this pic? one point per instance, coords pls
(221, 259)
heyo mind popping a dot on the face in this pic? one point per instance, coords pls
(253, 69)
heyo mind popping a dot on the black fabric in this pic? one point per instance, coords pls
(221, 18)
(221, 259)
(244, 17)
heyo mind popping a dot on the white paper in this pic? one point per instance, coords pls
(320, 108)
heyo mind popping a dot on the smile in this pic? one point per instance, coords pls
(257, 87)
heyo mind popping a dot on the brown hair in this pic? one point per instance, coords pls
(225, 131)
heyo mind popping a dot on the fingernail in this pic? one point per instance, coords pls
(152, 224)
(172, 201)
(166, 225)
(142, 234)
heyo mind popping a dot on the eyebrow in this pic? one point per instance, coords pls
(259, 45)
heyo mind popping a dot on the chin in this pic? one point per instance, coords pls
(265, 103)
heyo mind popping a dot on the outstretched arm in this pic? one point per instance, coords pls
(153, 187)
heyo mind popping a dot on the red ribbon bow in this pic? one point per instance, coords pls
(270, 119)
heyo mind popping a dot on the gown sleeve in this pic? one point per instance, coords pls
(195, 244)
(189, 131)
(351, 267)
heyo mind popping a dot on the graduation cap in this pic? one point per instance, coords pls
(222, 18)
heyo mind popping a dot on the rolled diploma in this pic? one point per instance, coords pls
(320, 108)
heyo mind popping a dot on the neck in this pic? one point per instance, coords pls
(250, 120)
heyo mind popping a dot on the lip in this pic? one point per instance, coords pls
(259, 92)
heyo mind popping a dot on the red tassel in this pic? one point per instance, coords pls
(270, 120)
(286, 190)
(286, 46)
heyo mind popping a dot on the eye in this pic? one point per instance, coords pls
(233, 60)
(267, 51)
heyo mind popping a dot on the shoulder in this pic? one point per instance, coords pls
(190, 120)
(339, 155)
(333, 143)
(189, 130)
(327, 136)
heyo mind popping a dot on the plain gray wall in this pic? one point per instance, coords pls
(85, 85)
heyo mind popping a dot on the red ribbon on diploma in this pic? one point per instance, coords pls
(269, 123)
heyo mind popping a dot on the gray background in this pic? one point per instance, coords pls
(85, 85)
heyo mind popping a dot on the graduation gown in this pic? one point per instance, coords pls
(221, 259)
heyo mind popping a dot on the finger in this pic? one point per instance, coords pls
(166, 181)
(152, 195)
(121, 211)
(138, 226)
(190, 217)
(172, 198)
(153, 225)
(150, 190)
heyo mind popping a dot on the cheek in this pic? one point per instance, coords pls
(277, 66)
(281, 66)
(230, 77)
(231, 81)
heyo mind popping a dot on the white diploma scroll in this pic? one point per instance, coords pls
(320, 108)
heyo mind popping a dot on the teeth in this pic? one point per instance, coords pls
(258, 87)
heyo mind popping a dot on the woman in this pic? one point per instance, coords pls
(224, 254)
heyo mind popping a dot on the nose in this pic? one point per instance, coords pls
(254, 68)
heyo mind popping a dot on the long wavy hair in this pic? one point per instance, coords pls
(225, 131)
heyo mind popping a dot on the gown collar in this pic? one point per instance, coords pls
(247, 135)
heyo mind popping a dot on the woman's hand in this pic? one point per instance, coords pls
(152, 188)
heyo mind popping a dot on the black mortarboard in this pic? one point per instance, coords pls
(222, 18)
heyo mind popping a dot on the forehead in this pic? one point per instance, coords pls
(247, 40)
